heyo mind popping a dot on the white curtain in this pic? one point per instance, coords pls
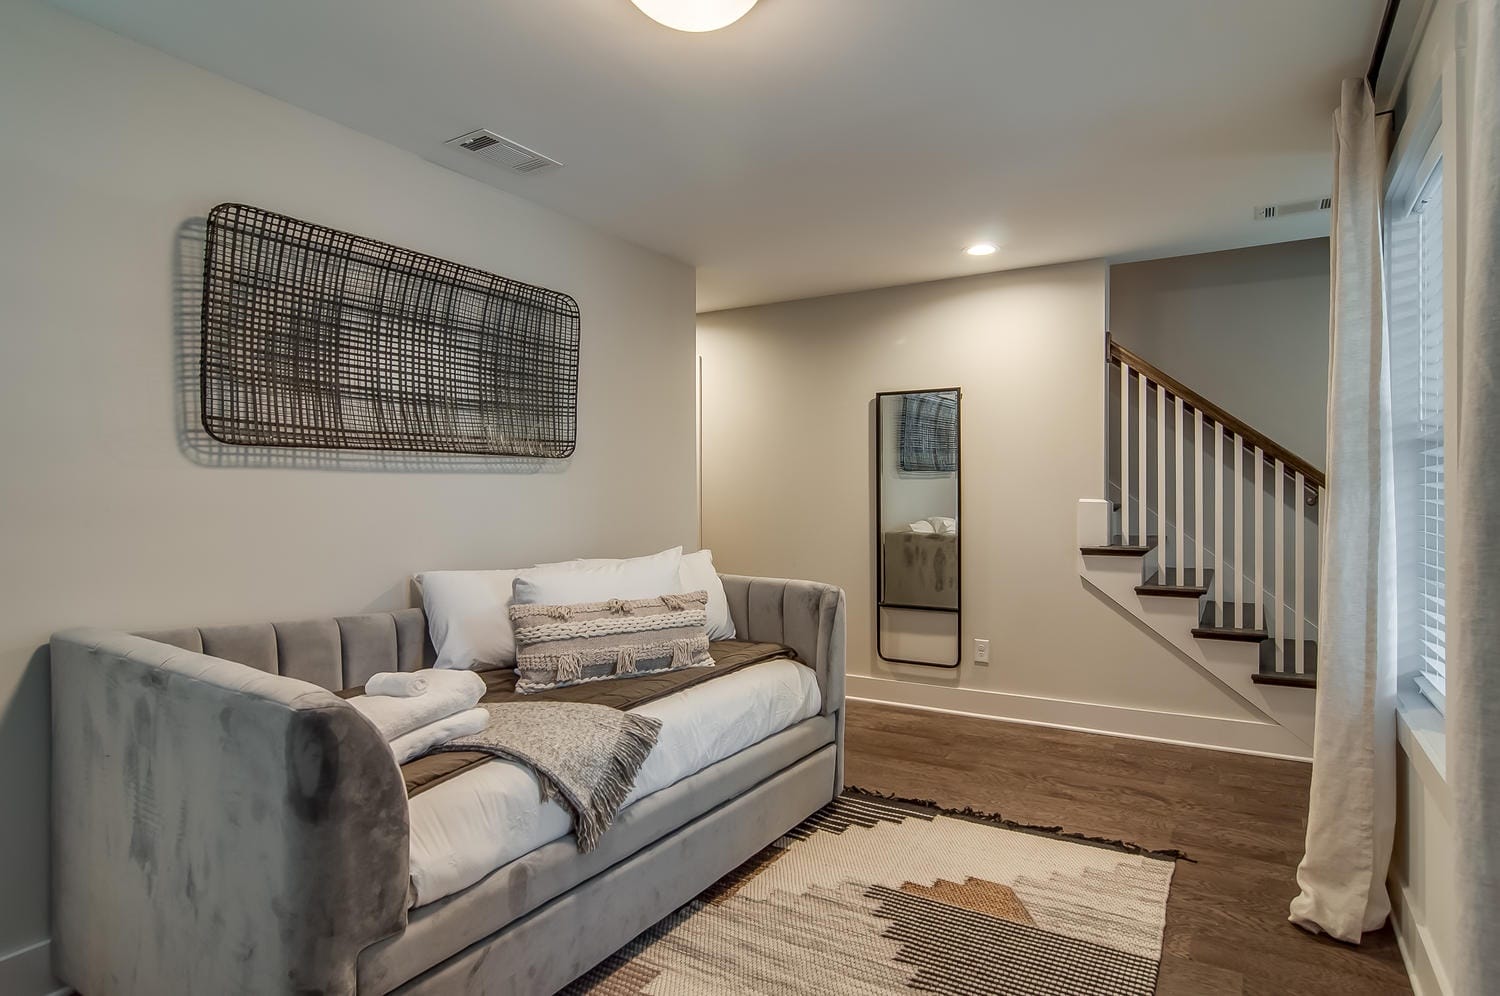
(1473, 720)
(1352, 809)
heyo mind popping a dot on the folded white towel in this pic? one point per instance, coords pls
(401, 684)
(449, 692)
(420, 741)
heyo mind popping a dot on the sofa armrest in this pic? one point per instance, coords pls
(215, 828)
(807, 616)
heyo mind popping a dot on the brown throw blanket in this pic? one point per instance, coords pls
(580, 741)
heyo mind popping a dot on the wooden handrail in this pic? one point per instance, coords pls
(1253, 438)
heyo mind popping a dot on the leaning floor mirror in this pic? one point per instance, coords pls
(917, 527)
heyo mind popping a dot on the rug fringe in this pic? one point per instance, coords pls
(970, 813)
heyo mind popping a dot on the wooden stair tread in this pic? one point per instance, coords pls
(1121, 546)
(1239, 622)
(1268, 675)
(1177, 583)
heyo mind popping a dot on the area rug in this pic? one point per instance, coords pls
(873, 895)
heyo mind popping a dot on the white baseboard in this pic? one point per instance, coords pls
(1419, 953)
(1210, 732)
(28, 972)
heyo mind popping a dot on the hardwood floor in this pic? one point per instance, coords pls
(1241, 818)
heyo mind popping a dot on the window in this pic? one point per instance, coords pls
(1414, 263)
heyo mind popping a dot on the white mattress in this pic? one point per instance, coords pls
(466, 827)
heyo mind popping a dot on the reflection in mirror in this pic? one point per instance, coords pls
(917, 532)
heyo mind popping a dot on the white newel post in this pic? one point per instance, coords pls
(1093, 522)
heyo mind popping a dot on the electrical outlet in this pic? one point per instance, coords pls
(981, 651)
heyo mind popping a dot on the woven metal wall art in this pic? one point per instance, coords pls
(316, 338)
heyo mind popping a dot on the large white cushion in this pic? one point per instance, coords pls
(698, 574)
(468, 617)
(599, 580)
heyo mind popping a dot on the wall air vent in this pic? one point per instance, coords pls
(503, 152)
(1270, 212)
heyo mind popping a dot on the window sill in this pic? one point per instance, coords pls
(1419, 728)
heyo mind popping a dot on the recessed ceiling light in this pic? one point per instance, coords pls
(981, 249)
(695, 15)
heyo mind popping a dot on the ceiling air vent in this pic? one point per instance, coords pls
(1269, 212)
(503, 152)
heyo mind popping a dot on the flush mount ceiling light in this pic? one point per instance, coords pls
(695, 15)
(981, 249)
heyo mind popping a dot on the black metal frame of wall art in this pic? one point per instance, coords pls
(316, 338)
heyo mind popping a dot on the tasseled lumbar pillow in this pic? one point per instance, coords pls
(560, 645)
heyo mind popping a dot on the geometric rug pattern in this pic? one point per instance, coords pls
(871, 895)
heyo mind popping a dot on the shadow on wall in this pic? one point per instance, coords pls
(26, 732)
(201, 448)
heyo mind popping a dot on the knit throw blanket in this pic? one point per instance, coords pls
(586, 756)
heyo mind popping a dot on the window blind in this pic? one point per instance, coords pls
(1415, 290)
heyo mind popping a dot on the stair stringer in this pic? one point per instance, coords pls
(1231, 663)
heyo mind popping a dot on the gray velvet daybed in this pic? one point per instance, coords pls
(224, 823)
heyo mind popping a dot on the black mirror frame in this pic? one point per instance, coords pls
(958, 638)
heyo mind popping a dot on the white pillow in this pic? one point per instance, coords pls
(698, 574)
(468, 617)
(944, 523)
(921, 526)
(596, 581)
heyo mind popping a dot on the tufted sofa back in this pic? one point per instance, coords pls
(332, 653)
(344, 652)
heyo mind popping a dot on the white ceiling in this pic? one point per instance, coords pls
(828, 145)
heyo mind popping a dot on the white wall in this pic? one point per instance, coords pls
(109, 147)
(1247, 329)
(788, 483)
(1423, 871)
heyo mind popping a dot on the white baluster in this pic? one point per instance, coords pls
(1239, 522)
(1124, 450)
(1141, 470)
(1219, 520)
(1200, 528)
(1161, 476)
(1258, 542)
(1299, 663)
(1279, 629)
(1177, 427)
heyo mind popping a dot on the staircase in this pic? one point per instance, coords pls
(1209, 538)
